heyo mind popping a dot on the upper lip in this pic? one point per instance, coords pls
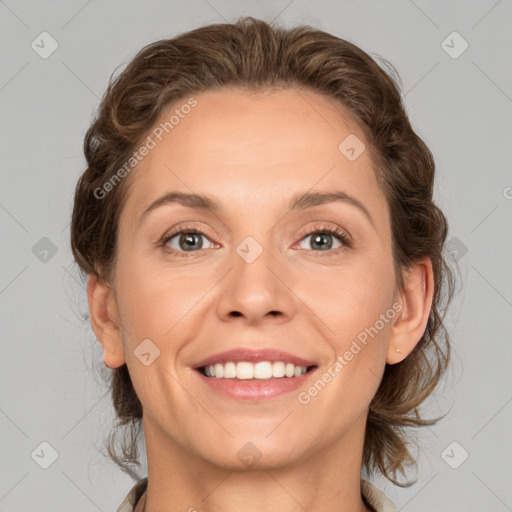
(253, 355)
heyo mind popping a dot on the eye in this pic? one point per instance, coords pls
(322, 238)
(187, 239)
(183, 240)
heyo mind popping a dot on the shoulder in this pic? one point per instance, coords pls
(133, 496)
(376, 498)
(373, 495)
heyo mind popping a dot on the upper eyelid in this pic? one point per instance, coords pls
(184, 227)
(180, 229)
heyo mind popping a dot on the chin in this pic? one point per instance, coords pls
(253, 453)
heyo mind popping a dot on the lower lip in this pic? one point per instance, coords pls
(255, 389)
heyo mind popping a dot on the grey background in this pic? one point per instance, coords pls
(50, 389)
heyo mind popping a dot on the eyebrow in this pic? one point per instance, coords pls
(301, 201)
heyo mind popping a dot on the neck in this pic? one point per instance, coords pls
(179, 479)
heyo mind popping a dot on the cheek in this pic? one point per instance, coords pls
(356, 314)
(350, 300)
(155, 310)
(160, 305)
(153, 299)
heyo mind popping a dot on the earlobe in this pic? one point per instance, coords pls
(104, 321)
(416, 301)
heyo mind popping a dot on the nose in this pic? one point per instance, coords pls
(256, 290)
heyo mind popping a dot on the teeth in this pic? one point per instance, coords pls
(229, 371)
(244, 370)
(219, 370)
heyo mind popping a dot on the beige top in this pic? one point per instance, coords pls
(374, 497)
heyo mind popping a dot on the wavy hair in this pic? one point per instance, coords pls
(257, 55)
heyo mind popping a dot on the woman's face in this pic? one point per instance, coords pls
(258, 272)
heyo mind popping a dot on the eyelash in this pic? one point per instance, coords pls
(318, 228)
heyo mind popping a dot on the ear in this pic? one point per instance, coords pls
(104, 321)
(416, 301)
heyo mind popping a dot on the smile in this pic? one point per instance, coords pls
(245, 370)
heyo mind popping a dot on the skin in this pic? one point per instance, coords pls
(252, 152)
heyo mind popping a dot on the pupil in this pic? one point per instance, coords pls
(189, 239)
(328, 244)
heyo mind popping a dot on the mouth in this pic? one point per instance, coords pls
(263, 370)
(254, 374)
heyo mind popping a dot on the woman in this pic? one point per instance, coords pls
(265, 270)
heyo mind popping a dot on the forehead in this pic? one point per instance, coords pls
(240, 126)
(245, 145)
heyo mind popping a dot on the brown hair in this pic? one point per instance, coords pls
(256, 55)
